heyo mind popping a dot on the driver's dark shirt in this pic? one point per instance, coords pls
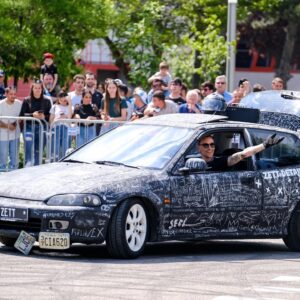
(218, 164)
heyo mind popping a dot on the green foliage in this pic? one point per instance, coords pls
(189, 35)
(28, 28)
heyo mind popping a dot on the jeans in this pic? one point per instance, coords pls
(32, 145)
(86, 133)
(9, 150)
(60, 142)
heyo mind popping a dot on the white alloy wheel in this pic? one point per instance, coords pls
(136, 227)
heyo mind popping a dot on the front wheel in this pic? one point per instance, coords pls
(292, 240)
(128, 230)
(7, 241)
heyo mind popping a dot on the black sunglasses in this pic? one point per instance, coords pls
(206, 146)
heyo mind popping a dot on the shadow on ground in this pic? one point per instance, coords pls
(167, 252)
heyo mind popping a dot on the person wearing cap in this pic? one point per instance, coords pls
(9, 130)
(140, 104)
(2, 87)
(175, 88)
(160, 106)
(50, 68)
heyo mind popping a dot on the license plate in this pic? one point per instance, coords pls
(25, 242)
(13, 214)
(54, 240)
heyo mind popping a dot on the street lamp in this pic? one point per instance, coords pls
(231, 37)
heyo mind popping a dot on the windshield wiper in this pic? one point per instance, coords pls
(75, 161)
(113, 163)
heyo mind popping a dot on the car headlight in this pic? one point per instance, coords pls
(74, 200)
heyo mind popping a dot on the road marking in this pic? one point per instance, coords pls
(286, 278)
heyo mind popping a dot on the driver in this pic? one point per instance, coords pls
(206, 147)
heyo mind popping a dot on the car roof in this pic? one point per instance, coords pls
(204, 121)
(274, 101)
(181, 120)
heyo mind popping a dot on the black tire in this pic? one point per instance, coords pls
(292, 240)
(7, 241)
(126, 239)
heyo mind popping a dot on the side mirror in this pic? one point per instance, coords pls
(194, 164)
(69, 151)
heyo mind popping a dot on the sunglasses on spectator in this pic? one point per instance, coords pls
(221, 82)
(206, 146)
(156, 85)
(205, 89)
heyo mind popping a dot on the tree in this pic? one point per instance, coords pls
(28, 28)
(188, 34)
(272, 27)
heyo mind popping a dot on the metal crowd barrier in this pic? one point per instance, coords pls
(23, 146)
(34, 142)
(73, 133)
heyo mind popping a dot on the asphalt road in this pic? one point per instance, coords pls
(219, 270)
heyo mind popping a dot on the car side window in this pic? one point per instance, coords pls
(226, 144)
(286, 153)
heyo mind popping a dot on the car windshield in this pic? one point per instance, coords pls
(275, 101)
(138, 145)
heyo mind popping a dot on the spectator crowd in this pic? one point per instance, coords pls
(111, 101)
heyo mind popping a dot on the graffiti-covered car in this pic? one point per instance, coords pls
(145, 182)
(279, 108)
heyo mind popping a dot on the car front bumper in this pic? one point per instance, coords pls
(84, 224)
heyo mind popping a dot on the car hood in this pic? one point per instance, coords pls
(42, 182)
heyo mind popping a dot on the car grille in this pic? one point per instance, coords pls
(33, 225)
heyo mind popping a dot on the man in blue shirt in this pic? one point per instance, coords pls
(221, 85)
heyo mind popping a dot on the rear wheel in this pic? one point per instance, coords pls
(7, 241)
(292, 240)
(128, 230)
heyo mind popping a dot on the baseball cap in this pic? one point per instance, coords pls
(142, 94)
(2, 73)
(118, 81)
(48, 55)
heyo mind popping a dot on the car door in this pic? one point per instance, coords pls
(280, 169)
(210, 203)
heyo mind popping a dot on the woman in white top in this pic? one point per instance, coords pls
(59, 112)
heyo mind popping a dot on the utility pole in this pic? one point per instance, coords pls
(231, 36)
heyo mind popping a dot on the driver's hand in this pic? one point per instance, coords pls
(272, 140)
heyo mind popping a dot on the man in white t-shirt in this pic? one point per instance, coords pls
(76, 95)
(9, 130)
(160, 106)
